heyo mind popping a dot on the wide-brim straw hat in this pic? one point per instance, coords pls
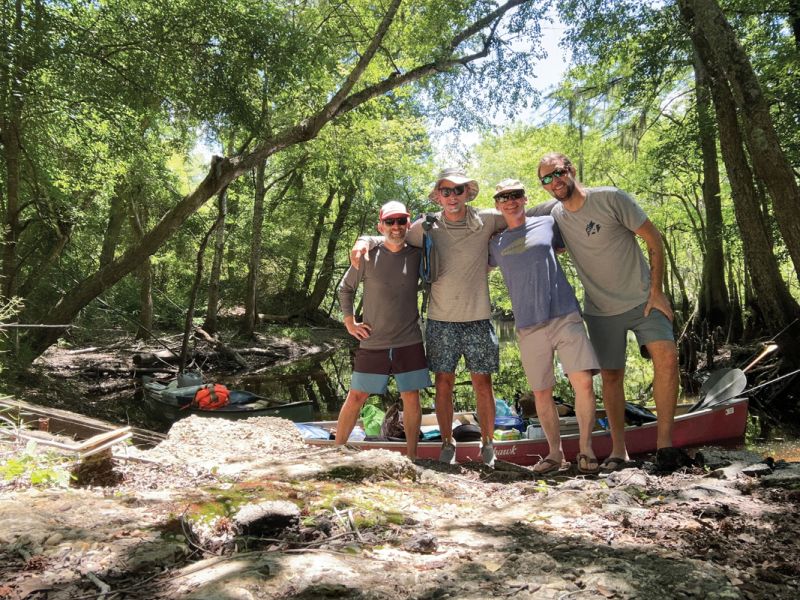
(457, 177)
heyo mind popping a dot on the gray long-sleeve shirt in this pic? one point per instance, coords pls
(390, 296)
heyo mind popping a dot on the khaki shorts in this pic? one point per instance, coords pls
(565, 335)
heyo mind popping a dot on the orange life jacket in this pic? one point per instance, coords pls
(211, 397)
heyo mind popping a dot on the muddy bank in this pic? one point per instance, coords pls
(172, 522)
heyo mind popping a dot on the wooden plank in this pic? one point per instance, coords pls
(64, 422)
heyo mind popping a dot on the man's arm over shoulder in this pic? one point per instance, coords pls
(362, 246)
(415, 232)
(494, 219)
(542, 209)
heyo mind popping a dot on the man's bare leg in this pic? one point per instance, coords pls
(412, 416)
(585, 408)
(665, 387)
(548, 418)
(348, 415)
(614, 403)
(444, 405)
(484, 399)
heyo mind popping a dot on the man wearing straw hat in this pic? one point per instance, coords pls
(459, 315)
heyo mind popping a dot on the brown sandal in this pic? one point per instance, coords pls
(552, 466)
(588, 465)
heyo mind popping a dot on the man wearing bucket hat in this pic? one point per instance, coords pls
(547, 319)
(622, 292)
(459, 313)
(389, 334)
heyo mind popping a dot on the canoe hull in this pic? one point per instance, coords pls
(720, 425)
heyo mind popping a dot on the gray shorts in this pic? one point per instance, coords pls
(565, 335)
(447, 341)
(609, 335)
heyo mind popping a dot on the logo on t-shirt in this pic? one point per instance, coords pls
(592, 228)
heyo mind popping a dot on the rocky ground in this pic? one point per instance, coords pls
(244, 510)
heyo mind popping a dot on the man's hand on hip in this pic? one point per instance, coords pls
(659, 301)
(360, 331)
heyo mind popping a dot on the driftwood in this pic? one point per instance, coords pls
(225, 350)
(64, 422)
(149, 359)
(111, 386)
(259, 352)
(123, 371)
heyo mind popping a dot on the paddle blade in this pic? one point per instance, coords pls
(729, 385)
(712, 380)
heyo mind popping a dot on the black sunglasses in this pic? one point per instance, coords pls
(548, 179)
(456, 191)
(399, 220)
(515, 195)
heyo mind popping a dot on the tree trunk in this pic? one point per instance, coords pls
(10, 132)
(326, 269)
(769, 162)
(311, 261)
(714, 305)
(684, 306)
(198, 276)
(210, 324)
(116, 216)
(772, 303)
(13, 69)
(794, 22)
(138, 219)
(248, 325)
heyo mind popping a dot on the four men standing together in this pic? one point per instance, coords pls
(598, 226)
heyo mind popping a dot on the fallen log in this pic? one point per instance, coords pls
(64, 422)
(223, 349)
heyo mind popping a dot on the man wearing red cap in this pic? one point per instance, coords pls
(391, 340)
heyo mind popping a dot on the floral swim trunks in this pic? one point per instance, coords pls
(447, 341)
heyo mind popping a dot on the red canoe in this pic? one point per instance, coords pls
(721, 424)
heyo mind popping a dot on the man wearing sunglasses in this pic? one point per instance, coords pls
(622, 292)
(389, 335)
(548, 320)
(459, 315)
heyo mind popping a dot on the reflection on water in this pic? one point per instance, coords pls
(324, 379)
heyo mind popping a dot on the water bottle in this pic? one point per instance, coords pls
(357, 434)
(534, 432)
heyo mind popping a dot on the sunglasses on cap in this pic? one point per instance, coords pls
(455, 191)
(515, 195)
(392, 220)
(548, 179)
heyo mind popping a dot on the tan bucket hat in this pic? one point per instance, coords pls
(457, 177)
